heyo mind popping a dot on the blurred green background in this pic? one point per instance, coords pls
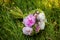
(13, 11)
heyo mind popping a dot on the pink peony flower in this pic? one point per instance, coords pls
(29, 20)
(27, 30)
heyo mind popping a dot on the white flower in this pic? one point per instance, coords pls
(41, 17)
(41, 25)
(27, 30)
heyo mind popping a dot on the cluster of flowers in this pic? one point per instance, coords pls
(37, 19)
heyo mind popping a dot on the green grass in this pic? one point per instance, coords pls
(11, 24)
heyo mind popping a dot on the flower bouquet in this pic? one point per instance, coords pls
(34, 22)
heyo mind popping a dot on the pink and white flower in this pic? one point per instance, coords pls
(37, 28)
(27, 30)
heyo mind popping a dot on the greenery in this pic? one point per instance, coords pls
(12, 13)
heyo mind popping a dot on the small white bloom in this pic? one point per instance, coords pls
(27, 30)
(41, 17)
(41, 25)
